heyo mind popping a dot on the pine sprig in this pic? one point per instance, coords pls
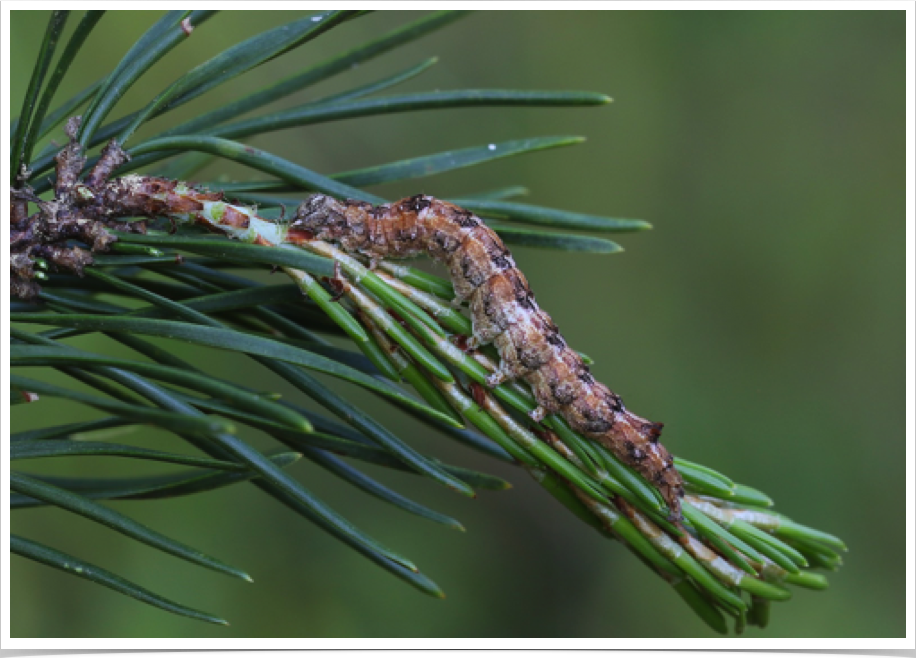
(731, 557)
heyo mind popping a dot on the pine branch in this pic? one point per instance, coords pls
(720, 549)
(75, 236)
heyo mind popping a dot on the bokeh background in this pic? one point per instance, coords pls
(762, 320)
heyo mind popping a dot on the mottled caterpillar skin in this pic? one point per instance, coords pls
(504, 313)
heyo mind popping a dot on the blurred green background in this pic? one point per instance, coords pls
(762, 320)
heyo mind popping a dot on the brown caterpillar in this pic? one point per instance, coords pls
(503, 312)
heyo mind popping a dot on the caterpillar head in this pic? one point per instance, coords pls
(322, 217)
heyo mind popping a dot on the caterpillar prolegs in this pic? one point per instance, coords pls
(504, 312)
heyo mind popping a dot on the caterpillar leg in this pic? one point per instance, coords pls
(537, 414)
(457, 302)
(509, 369)
(474, 343)
(338, 283)
(500, 376)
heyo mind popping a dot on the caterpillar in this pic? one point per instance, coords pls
(503, 312)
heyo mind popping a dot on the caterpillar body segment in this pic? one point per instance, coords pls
(503, 312)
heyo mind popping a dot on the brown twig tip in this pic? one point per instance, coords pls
(112, 157)
(83, 213)
(72, 127)
(24, 174)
